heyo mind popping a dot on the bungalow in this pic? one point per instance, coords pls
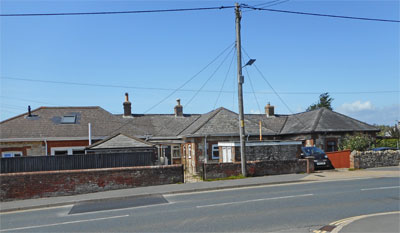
(189, 139)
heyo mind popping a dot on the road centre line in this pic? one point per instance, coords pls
(63, 223)
(255, 200)
(265, 186)
(391, 187)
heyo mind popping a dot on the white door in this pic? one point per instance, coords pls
(229, 156)
(226, 154)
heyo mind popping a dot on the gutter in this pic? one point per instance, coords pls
(50, 139)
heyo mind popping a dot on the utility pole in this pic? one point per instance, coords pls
(240, 91)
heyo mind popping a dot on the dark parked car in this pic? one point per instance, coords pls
(320, 158)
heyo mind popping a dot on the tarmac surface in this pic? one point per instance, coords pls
(318, 176)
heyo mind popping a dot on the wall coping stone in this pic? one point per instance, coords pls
(91, 170)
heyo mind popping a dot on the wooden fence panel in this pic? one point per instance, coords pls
(340, 159)
(73, 162)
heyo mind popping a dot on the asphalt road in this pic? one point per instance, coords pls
(300, 207)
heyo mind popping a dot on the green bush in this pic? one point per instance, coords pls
(386, 143)
(358, 142)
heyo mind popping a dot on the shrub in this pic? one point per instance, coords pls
(358, 142)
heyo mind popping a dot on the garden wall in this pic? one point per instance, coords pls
(28, 185)
(369, 159)
(255, 168)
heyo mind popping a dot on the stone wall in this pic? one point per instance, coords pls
(368, 159)
(254, 168)
(275, 152)
(28, 185)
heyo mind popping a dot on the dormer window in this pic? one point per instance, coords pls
(68, 120)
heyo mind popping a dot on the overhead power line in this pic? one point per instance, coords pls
(117, 12)
(268, 4)
(273, 89)
(211, 76)
(252, 88)
(194, 90)
(322, 15)
(272, 3)
(226, 77)
(189, 80)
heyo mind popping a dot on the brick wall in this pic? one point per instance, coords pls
(27, 148)
(278, 152)
(368, 159)
(254, 168)
(75, 143)
(60, 183)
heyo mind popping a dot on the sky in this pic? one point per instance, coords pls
(92, 60)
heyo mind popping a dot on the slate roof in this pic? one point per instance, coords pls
(323, 120)
(274, 124)
(121, 141)
(222, 122)
(46, 123)
(156, 125)
(217, 122)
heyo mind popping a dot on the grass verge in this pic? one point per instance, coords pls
(228, 178)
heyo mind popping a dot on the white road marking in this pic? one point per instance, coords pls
(255, 200)
(63, 223)
(36, 209)
(391, 187)
(344, 222)
(264, 186)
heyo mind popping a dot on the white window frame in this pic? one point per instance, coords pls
(214, 148)
(175, 148)
(68, 149)
(65, 121)
(13, 153)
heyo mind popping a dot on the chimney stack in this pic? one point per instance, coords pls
(127, 107)
(269, 110)
(29, 111)
(178, 108)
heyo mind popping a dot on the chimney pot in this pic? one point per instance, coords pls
(29, 111)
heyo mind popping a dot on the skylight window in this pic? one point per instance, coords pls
(68, 120)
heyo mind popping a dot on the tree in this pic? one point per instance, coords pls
(325, 101)
(390, 136)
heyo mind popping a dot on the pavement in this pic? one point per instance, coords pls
(324, 175)
(379, 222)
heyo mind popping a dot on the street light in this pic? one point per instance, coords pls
(250, 62)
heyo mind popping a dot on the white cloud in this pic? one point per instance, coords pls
(366, 112)
(356, 106)
(252, 111)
